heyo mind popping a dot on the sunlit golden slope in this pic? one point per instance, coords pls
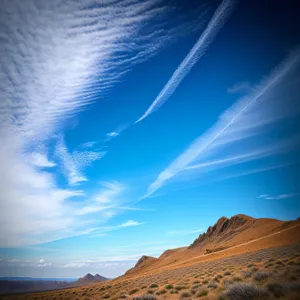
(227, 237)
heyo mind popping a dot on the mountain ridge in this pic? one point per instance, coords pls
(224, 224)
(228, 235)
(143, 262)
(88, 278)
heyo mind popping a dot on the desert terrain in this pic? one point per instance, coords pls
(237, 258)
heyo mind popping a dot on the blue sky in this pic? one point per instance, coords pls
(129, 127)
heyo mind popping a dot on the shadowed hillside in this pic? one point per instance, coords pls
(89, 278)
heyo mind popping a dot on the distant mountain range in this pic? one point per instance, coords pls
(10, 285)
(38, 279)
(89, 278)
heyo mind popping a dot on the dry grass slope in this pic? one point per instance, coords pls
(261, 260)
(247, 276)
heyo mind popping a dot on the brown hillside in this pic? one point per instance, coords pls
(142, 263)
(253, 254)
(228, 236)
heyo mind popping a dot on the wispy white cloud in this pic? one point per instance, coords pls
(70, 169)
(40, 160)
(130, 223)
(74, 163)
(43, 263)
(262, 196)
(111, 190)
(240, 87)
(107, 199)
(106, 229)
(112, 134)
(56, 53)
(215, 24)
(277, 197)
(77, 264)
(86, 158)
(105, 261)
(88, 144)
(13, 262)
(133, 208)
(267, 168)
(184, 232)
(60, 57)
(123, 254)
(246, 156)
(243, 120)
(32, 206)
(35, 210)
(92, 209)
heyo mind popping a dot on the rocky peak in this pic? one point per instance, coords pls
(99, 277)
(222, 225)
(88, 276)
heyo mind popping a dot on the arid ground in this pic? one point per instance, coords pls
(236, 259)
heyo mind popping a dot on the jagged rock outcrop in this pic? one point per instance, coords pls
(223, 229)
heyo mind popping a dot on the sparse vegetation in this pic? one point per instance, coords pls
(145, 297)
(276, 289)
(213, 285)
(169, 286)
(237, 279)
(133, 291)
(185, 295)
(261, 275)
(245, 292)
(161, 292)
(202, 293)
(281, 284)
(247, 274)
